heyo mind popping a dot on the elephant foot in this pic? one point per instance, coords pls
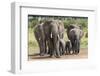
(68, 54)
(41, 54)
(51, 56)
(48, 52)
(63, 53)
(76, 53)
(57, 56)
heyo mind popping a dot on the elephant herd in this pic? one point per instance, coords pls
(49, 35)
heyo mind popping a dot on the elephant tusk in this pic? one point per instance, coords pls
(58, 36)
(39, 39)
(51, 35)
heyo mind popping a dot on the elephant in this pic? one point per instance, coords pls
(40, 37)
(65, 47)
(62, 47)
(53, 30)
(68, 47)
(75, 34)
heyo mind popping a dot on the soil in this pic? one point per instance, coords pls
(82, 55)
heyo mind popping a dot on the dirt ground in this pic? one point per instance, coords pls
(82, 55)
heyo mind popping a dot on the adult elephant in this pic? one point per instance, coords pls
(40, 37)
(75, 34)
(53, 30)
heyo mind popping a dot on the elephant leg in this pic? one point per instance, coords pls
(41, 51)
(75, 44)
(50, 47)
(66, 53)
(42, 47)
(48, 52)
(61, 49)
(45, 47)
(69, 50)
(51, 53)
(73, 47)
(77, 47)
(56, 51)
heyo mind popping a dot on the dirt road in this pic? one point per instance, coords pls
(82, 55)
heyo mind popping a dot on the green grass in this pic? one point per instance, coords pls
(32, 42)
(84, 42)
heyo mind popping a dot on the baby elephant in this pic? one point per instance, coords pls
(68, 47)
(61, 47)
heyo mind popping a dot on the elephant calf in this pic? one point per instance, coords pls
(68, 47)
(61, 47)
(65, 47)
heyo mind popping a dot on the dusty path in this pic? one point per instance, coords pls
(82, 55)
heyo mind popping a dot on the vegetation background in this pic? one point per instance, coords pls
(33, 20)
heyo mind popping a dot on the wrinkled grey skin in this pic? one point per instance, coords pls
(53, 30)
(68, 47)
(40, 37)
(75, 34)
